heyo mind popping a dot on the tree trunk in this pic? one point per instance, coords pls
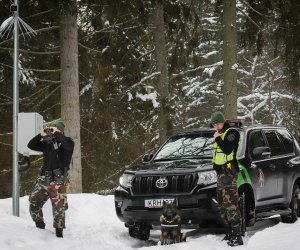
(161, 66)
(70, 109)
(229, 59)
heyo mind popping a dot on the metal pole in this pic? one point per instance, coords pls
(16, 190)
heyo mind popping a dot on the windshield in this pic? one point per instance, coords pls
(190, 146)
(187, 146)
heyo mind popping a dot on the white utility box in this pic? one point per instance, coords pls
(29, 125)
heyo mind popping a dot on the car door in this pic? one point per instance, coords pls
(273, 165)
(286, 169)
(262, 171)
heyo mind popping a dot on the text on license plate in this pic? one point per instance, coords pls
(157, 203)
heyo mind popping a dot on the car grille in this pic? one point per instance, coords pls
(176, 184)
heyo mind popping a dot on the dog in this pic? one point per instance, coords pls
(170, 225)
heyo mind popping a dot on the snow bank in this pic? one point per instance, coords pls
(92, 224)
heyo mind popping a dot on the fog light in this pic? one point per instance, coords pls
(119, 203)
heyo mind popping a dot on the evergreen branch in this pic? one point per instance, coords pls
(21, 100)
(5, 65)
(144, 79)
(126, 54)
(3, 172)
(195, 69)
(95, 136)
(83, 76)
(44, 70)
(36, 93)
(6, 96)
(9, 133)
(107, 29)
(147, 53)
(254, 10)
(122, 168)
(110, 176)
(32, 52)
(35, 70)
(250, 19)
(83, 157)
(46, 80)
(6, 144)
(83, 46)
(32, 97)
(46, 97)
(46, 110)
(38, 14)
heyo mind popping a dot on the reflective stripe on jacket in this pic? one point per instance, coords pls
(219, 157)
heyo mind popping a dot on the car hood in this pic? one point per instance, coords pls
(183, 165)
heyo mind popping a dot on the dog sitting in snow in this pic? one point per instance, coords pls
(170, 225)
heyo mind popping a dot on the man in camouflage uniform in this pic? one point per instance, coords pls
(226, 165)
(57, 153)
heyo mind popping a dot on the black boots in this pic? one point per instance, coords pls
(40, 224)
(227, 230)
(235, 238)
(59, 232)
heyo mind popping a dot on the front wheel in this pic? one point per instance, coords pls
(294, 206)
(139, 231)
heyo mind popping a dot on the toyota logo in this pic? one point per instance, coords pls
(161, 183)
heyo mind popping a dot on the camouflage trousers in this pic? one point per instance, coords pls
(228, 199)
(55, 189)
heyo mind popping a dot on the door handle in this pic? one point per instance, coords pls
(290, 164)
(272, 167)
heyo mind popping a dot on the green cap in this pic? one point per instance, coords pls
(217, 117)
(59, 124)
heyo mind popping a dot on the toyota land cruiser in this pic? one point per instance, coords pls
(181, 171)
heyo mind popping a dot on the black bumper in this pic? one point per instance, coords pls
(200, 206)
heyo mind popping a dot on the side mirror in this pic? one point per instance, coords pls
(147, 157)
(261, 153)
(25, 164)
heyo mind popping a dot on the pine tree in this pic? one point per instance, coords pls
(70, 109)
(229, 59)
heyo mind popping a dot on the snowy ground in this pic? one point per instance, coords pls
(92, 224)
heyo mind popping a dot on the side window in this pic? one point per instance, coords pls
(256, 140)
(274, 143)
(287, 140)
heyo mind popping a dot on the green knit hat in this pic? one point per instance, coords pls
(217, 117)
(59, 124)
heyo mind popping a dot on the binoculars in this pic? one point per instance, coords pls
(48, 130)
(48, 137)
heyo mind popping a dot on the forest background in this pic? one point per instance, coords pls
(145, 70)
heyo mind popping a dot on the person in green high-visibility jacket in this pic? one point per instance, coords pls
(225, 163)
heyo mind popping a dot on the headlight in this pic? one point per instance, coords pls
(125, 180)
(208, 177)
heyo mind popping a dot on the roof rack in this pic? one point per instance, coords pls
(235, 122)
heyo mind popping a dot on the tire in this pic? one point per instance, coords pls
(294, 206)
(243, 210)
(139, 231)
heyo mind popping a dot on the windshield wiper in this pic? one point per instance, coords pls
(184, 157)
(199, 157)
(167, 159)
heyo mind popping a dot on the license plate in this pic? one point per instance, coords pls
(157, 203)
